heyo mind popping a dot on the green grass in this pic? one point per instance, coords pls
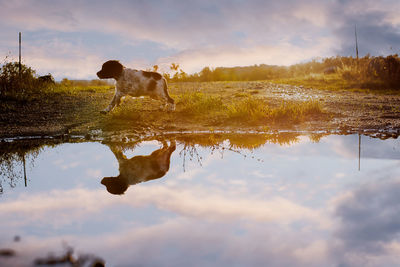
(254, 110)
(203, 109)
(250, 109)
(199, 106)
(72, 89)
(197, 103)
(296, 112)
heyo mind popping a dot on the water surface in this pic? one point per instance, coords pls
(210, 200)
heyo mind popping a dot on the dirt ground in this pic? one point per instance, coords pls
(78, 113)
(351, 111)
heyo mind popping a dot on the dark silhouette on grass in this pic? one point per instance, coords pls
(139, 168)
(46, 79)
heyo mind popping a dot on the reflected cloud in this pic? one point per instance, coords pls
(65, 207)
(215, 205)
(93, 173)
(60, 206)
(368, 221)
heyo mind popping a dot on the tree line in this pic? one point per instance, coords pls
(368, 68)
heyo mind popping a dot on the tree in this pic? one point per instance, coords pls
(205, 74)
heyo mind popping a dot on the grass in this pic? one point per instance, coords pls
(199, 108)
(73, 90)
(196, 103)
(335, 82)
(254, 110)
(250, 109)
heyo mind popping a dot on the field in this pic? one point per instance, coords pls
(65, 111)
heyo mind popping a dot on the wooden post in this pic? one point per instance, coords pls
(19, 65)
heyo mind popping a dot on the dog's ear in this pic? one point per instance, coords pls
(111, 69)
(115, 185)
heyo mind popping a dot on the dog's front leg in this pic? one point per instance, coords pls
(114, 102)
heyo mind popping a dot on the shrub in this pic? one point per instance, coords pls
(384, 68)
(19, 85)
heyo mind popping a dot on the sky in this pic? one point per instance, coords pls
(73, 38)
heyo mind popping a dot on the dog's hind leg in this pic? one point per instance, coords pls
(169, 101)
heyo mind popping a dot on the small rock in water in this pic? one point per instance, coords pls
(7, 252)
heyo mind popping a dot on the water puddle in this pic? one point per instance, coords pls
(202, 200)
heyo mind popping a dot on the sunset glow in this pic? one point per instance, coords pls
(70, 39)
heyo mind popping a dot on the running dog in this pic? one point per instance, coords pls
(134, 83)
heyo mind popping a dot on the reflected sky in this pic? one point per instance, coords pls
(304, 204)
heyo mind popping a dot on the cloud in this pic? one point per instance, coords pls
(368, 222)
(94, 173)
(248, 32)
(197, 33)
(231, 56)
(217, 206)
(220, 245)
(163, 244)
(372, 148)
(61, 206)
(175, 23)
(196, 202)
(215, 225)
(377, 27)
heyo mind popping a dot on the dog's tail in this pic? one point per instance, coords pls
(169, 99)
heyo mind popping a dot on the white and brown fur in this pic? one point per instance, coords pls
(139, 168)
(134, 83)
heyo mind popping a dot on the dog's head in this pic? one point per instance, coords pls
(110, 69)
(115, 185)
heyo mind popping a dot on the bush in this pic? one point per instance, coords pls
(18, 85)
(384, 68)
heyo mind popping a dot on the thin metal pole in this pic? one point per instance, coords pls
(355, 33)
(24, 170)
(19, 65)
(359, 151)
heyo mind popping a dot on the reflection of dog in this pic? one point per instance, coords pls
(139, 169)
(134, 83)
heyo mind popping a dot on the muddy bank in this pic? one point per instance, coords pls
(77, 114)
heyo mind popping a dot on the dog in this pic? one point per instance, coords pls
(139, 168)
(134, 83)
